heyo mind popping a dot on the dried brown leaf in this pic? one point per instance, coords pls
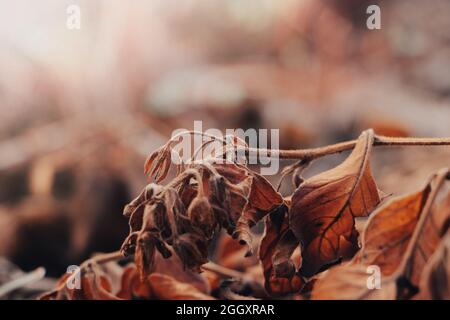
(275, 244)
(350, 282)
(431, 227)
(389, 230)
(262, 199)
(324, 208)
(435, 280)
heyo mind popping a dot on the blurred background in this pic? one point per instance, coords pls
(81, 108)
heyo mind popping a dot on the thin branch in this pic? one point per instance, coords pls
(98, 259)
(103, 258)
(314, 153)
(193, 133)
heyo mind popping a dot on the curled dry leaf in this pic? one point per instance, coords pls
(99, 283)
(389, 230)
(158, 286)
(186, 214)
(429, 230)
(262, 200)
(277, 247)
(296, 170)
(202, 216)
(158, 163)
(149, 192)
(324, 208)
(431, 227)
(435, 280)
(428, 234)
(145, 254)
(399, 238)
(132, 286)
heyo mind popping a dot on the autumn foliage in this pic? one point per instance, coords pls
(193, 237)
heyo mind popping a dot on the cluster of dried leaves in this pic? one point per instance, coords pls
(311, 248)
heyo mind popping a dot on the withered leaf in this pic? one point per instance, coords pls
(432, 225)
(158, 163)
(436, 223)
(202, 215)
(435, 280)
(145, 254)
(277, 244)
(401, 236)
(132, 287)
(324, 208)
(389, 230)
(165, 287)
(262, 199)
(149, 192)
(351, 282)
(192, 250)
(113, 282)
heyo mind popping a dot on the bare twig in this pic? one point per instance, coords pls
(314, 153)
(98, 259)
(103, 258)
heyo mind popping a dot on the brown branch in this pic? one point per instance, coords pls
(314, 153)
(103, 258)
(98, 259)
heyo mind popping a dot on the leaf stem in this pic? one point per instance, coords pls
(98, 259)
(314, 153)
(102, 258)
